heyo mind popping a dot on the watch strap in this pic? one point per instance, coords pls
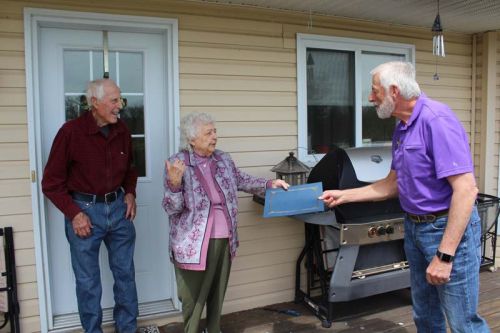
(444, 256)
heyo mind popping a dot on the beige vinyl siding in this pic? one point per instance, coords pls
(496, 148)
(479, 116)
(486, 142)
(478, 108)
(239, 64)
(246, 79)
(497, 136)
(15, 192)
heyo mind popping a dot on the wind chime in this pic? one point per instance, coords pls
(437, 40)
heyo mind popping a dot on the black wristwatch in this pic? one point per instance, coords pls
(444, 257)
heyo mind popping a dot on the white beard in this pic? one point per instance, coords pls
(385, 109)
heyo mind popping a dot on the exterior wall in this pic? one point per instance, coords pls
(497, 136)
(15, 200)
(488, 164)
(487, 116)
(496, 148)
(238, 64)
(476, 111)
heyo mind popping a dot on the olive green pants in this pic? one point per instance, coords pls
(195, 288)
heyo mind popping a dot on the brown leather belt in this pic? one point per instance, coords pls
(427, 218)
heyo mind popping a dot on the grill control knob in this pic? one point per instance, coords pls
(389, 229)
(372, 232)
(380, 231)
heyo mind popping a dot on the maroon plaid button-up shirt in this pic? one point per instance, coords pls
(82, 159)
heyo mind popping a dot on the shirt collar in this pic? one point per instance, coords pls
(94, 129)
(417, 109)
(192, 158)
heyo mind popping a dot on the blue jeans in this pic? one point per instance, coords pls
(457, 299)
(118, 234)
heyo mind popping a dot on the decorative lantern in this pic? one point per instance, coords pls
(291, 170)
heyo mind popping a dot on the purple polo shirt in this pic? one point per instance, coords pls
(431, 146)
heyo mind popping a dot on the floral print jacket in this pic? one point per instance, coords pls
(189, 207)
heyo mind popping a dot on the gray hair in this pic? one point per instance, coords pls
(96, 89)
(190, 127)
(400, 74)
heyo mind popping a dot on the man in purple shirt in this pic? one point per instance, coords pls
(91, 178)
(432, 172)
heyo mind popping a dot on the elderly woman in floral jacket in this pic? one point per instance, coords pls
(201, 185)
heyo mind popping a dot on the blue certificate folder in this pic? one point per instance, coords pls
(298, 199)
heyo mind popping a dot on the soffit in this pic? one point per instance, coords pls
(465, 16)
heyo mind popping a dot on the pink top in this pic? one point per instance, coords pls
(216, 217)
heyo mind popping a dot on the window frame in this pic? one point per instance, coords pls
(358, 46)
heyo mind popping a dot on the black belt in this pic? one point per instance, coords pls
(107, 198)
(427, 218)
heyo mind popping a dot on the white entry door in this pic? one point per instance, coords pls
(68, 59)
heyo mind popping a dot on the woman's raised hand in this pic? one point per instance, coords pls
(175, 172)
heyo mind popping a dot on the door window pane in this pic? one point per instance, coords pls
(84, 65)
(330, 99)
(76, 70)
(131, 71)
(133, 114)
(139, 149)
(75, 105)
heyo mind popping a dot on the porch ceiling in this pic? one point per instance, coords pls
(466, 16)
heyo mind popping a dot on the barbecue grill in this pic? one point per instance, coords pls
(356, 250)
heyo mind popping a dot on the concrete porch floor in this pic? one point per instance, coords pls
(390, 312)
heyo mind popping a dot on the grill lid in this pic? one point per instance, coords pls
(337, 171)
(370, 163)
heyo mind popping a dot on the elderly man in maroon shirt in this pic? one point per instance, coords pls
(90, 177)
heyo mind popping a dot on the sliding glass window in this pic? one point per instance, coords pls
(334, 81)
